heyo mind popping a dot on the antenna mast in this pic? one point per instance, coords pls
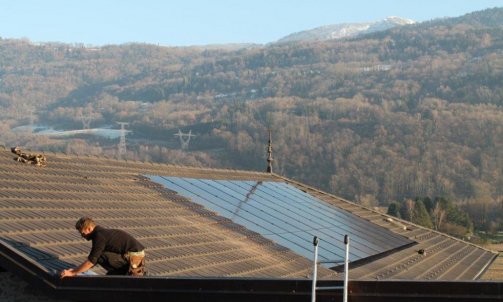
(269, 153)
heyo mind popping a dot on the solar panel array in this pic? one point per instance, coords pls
(290, 217)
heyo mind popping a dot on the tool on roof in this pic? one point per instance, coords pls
(35, 159)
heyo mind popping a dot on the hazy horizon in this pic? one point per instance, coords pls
(198, 22)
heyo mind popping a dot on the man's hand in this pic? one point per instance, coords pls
(75, 271)
(67, 273)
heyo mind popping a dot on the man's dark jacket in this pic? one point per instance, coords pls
(111, 240)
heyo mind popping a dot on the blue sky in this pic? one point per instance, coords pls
(200, 22)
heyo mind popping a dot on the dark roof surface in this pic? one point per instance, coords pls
(39, 207)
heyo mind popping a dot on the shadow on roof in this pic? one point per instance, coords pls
(48, 262)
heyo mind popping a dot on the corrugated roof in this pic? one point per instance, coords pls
(39, 206)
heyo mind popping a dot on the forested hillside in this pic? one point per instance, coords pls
(412, 112)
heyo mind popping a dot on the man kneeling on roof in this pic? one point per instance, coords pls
(115, 250)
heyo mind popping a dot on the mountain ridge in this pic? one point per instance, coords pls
(345, 30)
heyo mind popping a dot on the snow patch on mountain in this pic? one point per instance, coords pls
(345, 30)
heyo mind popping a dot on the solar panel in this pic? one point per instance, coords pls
(288, 216)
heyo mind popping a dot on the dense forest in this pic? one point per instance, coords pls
(413, 113)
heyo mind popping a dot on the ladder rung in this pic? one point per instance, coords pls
(329, 287)
(330, 261)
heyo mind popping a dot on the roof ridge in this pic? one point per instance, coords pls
(98, 157)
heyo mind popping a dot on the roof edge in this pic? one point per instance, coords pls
(24, 267)
(486, 267)
(126, 288)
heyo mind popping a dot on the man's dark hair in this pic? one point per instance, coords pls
(84, 222)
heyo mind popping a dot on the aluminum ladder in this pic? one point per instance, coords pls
(315, 271)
